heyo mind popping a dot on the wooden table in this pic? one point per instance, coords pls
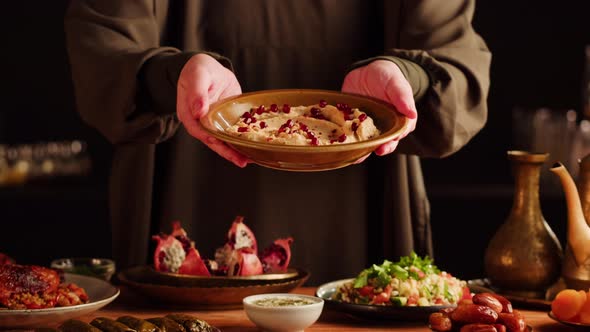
(236, 320)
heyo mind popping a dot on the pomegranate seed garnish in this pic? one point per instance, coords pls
(246, 115)
(286, 125)
(262, 124)
(260, 109)
(274, 107)
(314, 141)
(343, 107)
(354, 126)
(332, 141)
(253, 120)
(323, 103)
(242, 129)
(342, 138)
(286, 108)
(362, 117)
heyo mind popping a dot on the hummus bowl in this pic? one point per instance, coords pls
(226, 113)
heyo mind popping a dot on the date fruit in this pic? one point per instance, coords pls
(506, 305)
(478, 328)
(514, 321)
(440, 321)
(488, 300)
(474, 313)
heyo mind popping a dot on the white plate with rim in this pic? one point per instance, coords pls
(100, 293)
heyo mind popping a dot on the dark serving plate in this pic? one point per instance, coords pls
(326, 291)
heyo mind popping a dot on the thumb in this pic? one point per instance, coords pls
(200, 105)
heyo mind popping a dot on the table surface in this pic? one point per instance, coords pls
(236, 320)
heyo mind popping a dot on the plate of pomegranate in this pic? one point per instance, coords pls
(181, 275)
(409, 289)
(34, 296)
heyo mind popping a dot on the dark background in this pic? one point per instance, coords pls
(538, 60)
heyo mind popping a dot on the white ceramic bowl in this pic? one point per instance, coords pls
(284, 318)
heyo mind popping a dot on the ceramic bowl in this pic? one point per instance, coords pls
(223, 114)
(102, 268)
(283, 318)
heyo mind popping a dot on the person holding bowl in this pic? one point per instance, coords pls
(145, 71)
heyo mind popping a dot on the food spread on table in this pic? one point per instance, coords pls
(239, 256)
(314, 125)
(35, 287)
(487, 312)
(412, 281)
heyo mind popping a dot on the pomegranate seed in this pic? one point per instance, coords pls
(342, 138)
(260, 109)
(262, 124)
(332, 141)
(343, 107)
(354, 126)
(274, 107)
(314, 141)
(242, 129)
(286, 108)
(303, 126)
(246, 115)
(253, 120)
(285, 126)
(362, 117)
(323, 103)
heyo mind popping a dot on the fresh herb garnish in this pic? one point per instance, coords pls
(407, 267)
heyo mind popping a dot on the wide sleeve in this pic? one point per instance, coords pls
(124, 79)
(447, 64)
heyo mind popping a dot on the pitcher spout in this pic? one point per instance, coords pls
(578, 232)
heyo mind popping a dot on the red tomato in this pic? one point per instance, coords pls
(466, 294)
(412, 300)
(384, 296)
(365, 290)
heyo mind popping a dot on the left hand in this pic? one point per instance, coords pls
(384, 80)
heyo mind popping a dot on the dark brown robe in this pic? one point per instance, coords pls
(126, 57)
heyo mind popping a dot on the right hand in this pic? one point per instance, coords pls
(202, 81)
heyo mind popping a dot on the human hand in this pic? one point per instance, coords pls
(384, 80)
(203, 81)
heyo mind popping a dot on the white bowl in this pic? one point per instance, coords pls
(285, 318)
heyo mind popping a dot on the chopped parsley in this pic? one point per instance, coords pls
(412, 266)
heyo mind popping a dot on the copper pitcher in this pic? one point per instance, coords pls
(523, 258)
(576, 263)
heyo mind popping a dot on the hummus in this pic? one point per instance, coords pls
(315, 125)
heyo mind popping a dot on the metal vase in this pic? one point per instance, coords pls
(524, 256)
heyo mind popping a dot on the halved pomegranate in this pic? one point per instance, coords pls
(241, 236)
(193, 264)
(180, 234)
(169, 253)
(244, 262)
(276, 257)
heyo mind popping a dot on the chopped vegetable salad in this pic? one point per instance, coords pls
(413, 281)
